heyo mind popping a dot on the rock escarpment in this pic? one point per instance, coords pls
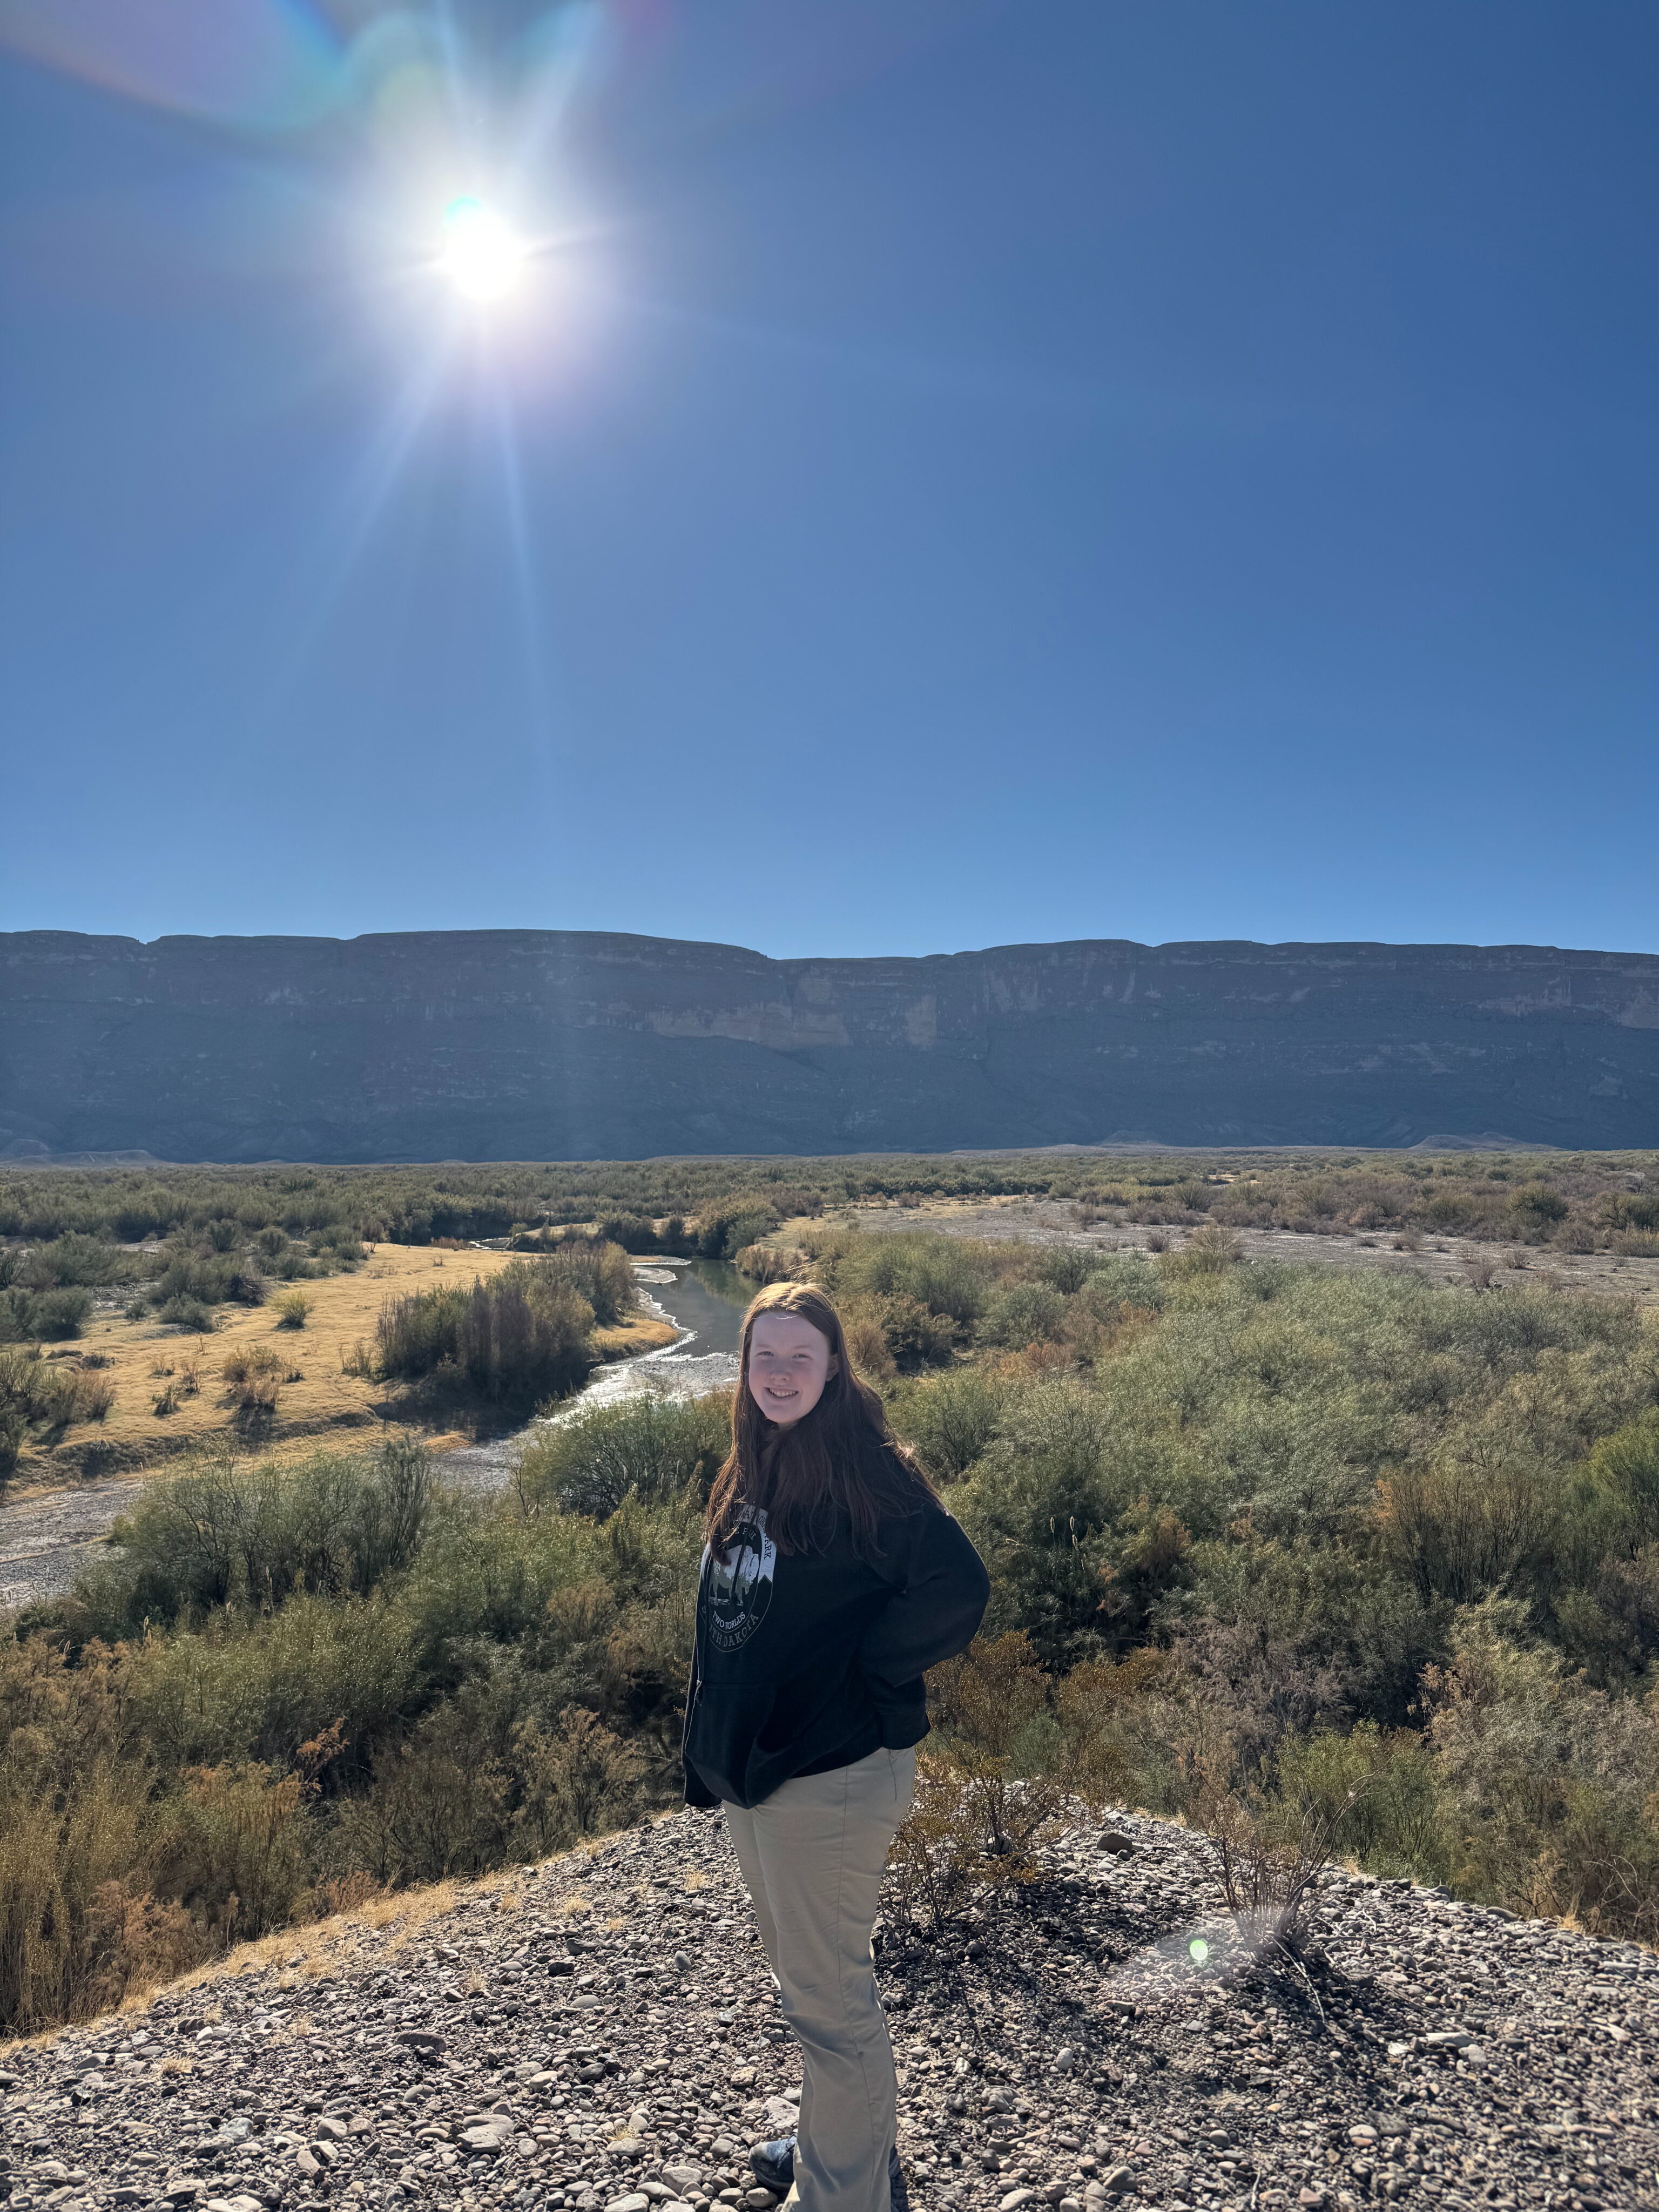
(510, 1044)
(602, 2031)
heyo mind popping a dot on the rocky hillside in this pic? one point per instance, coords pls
(601, 2031)
(506, 1044)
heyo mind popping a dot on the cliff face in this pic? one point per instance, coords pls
(529, 1044)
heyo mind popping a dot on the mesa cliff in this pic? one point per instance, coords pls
(541, 1044)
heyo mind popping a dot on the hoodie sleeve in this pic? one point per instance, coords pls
(933, 1613)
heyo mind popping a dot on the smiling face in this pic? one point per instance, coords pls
(789, 1363)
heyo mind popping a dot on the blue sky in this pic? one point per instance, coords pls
(954, 473)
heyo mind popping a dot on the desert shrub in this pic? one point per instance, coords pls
(1067, 1267)
(227, 1534)
(1123, 1281)
(773, 1263)
(43, 1397)
(576, 1779)
(725, 1224)
(42, 1316)
(1023, 1314)
(631, 1232)
(208, 1278)
(73, 1259)
(185, 1313)
(1535, 1208)
(1210, 1250)
(438, 1806)
(653, 1444)
(985, 1795)
(909, 1334)
(598, 1273)
(293, 1309)
(521, 1336)
(1552, 1783)
(254, 1376)
(75, 1817)
(950, 1418)
(232, 1847)
(947, 1276)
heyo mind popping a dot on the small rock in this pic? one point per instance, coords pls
(421, 2039)
(634, 2202)
(308, 2162)
(681, 2179)
(232, 2204)
(1119, 2181)
(1014, 2198)
(1114, 1841)
(743, 2077)
(758, 2200)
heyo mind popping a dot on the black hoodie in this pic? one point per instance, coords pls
(810, 1660)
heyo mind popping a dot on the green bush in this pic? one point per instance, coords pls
(1024, 1313)
(599, 1273)
(209, 1279)
(43, 1316)
(521, 1336)
(227, 1535)
(73, 1259)
(651, 1444)
(187, 1313)
(950, 1418)
(43, 1397)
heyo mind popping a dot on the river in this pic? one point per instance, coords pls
(704, 1298)
(46, 1541)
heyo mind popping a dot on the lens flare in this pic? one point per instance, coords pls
(1197, 1957)
(481, 258)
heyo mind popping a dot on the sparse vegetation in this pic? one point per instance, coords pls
(1316, 1559)
(106, 1225)
(293, 1309)
(519, 1337)
(42, 1397)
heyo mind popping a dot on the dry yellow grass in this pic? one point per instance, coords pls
(376, 1930)
(148, 1365)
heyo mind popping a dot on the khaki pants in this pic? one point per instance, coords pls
(812, 1855)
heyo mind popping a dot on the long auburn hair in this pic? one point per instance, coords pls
(841, 1458)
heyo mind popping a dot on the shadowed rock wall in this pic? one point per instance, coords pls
(533, 1044)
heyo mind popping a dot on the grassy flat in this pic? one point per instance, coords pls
(146, 1362)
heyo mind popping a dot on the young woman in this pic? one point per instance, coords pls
(832, 1579)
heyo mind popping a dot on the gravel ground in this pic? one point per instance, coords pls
(601, 2031)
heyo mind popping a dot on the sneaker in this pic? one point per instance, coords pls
(773, 2167)
(773, 2164)
(901, 2192)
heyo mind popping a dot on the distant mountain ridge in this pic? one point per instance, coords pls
(545, 1044)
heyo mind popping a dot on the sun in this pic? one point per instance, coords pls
(481, 257)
